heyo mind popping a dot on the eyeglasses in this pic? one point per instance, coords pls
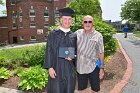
(87, 22)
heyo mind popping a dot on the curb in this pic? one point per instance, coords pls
(9, 90)
(118, 87)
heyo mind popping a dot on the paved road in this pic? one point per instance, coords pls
(132, 47)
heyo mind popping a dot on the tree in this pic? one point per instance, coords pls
(131, 10)
(84, 7)
(1, 2)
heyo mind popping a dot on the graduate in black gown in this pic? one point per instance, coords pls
(62, 74)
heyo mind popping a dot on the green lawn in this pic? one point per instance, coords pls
(14, 53)
(137, 35)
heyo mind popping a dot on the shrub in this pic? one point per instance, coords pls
(107, 31)
(35, 56)
(2, 61)
(10, 63)
(33, 78)
(4, 73)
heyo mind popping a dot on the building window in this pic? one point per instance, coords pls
(33, 38)
(46, 13)
(20, 22)
(13, 2)
(45, 38)
(14, 25)
(56, 12)
(39, 31)
(20, 12)
(32, 23)
(20, 25)
(20, 19)
(14, 15)
(32, 12)
(46, 23)
(57, 16)
(57, 20)
(21, 38)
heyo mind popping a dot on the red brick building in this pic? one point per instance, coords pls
(29, 20)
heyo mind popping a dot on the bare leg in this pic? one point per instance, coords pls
(83, 91)
(93, 91)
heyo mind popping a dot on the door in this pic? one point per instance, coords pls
(14, 39)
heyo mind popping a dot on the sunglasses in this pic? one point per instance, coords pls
(87, 22)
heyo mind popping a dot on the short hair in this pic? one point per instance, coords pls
(88, 16)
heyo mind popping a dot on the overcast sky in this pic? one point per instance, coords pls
(110, 9)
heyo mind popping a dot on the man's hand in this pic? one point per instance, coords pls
(101, 73)
(69, 59)
(57, 28)
(52, 73)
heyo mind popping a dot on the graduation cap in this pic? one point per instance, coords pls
(66, 11)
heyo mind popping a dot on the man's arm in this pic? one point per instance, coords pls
(48, 57)
(101, 57)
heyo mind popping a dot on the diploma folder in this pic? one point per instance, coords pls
(65, 52)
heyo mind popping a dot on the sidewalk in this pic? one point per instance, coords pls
(131, 45)
(20, 45)
(8, 90)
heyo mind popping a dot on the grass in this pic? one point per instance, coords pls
(14, 52)
(137, 35)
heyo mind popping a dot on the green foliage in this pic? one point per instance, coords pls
(18, 70)
(2, 59)
(6, 63)
(84, 7)
(107, 32)
(137, 35)
(33, 78)
(25, 56)
(4, 73)
(4, 12)
(35, 56)
(78, 24)
(1, 2)
(131, 10)
(13, 53)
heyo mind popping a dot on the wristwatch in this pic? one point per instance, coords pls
(102, 67)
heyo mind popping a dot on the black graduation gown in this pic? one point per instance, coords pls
(65, 71)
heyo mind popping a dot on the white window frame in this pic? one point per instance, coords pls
(34, 39)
